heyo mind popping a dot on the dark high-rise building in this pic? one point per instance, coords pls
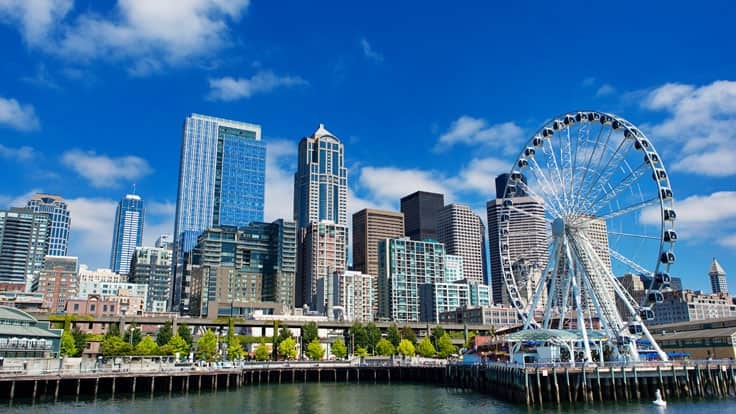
(501, 181)
(420, 214)
(235, 271)
(369, 227)
(24, 239)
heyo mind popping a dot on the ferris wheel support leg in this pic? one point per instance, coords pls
(550, 294)
(541, 286)
(576, 298)
(565, 293)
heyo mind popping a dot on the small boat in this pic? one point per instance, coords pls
(659, 402)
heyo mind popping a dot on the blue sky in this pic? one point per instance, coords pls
(424, 96)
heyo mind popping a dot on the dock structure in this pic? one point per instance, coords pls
(53, 387)
(552, 386)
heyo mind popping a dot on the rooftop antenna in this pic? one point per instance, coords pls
(134, 189)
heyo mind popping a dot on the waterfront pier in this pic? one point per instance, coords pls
(50, 387)
(540, 386)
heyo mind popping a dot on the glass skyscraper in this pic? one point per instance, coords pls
(23, 246)
(222, 174)
(320, 211)
(127, 233)
(59, 220)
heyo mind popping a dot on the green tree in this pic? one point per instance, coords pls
(80, 340)
(68, 347)
(339, 349)
(385, 348)
(374, 335)
(425, 348)
(287, 348)
(310, 332)
(437, 333)
(178, 344)
(115, 346)
(315, 352)
(285, 333)
(207, 346)
(262, 352)
(113, 329)
(393, 335)
(234, 348)
(133, 335)
(164, 334)
(359, 335)
(406, 348)
(445, 346)
(185, 334)
(147, 346)
(408, 334)
(361, 352)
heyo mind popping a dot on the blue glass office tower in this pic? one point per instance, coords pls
(127, 233)
(222, 174)
(59, 220)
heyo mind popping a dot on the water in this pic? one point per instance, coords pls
(345, 398)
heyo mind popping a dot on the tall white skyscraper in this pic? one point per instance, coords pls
(320, 205)
(527, 243)
(461, 231)
(59, 220)
(127, 233)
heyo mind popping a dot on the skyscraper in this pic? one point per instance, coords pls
(59, 221)
(320, 211)
(23, 245)
(420, 214)
(461, 231)
(369, 227)
(222, 174)
(127, 233)
(405, 265)
(527, 243)
(717, 276)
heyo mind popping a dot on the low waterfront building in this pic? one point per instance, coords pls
(22, 336)
(27, 301)
(688, 305)
(93, 305)
(704, 339)
(498, 316)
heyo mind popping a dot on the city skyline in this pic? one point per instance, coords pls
(452, 139)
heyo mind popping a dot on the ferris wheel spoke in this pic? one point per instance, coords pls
(555, 173)
(629, 209)
(640, 236)
(587, 164)
(566, 158)
(552, 201)
(605, 173)
(605, 197)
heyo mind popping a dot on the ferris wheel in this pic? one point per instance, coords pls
(596, 185)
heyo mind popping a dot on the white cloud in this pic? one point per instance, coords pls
(35, 17)
(152, 34)
(90, 237)
(589, 81)
(702, 121)
(476, 131)
(230, 89)
(8, 201)
(729, 241)
(605, 90)
(18, 116)
(386, 185)
(24, 153)
(103, 171)
(479, 176)
(280, 167)
(369, 52)
(702, 217)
